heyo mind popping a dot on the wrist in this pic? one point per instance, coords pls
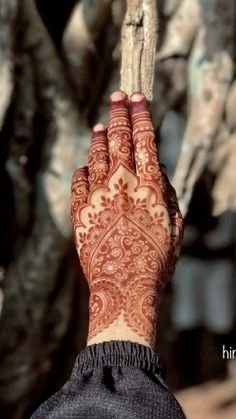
(120, 330)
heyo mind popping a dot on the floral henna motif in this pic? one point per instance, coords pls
(127, 224)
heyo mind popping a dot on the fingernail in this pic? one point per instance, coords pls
(99, 127)
(137, 97)
(118, 100)
(117, 96)
(138, 102)
(99, 130)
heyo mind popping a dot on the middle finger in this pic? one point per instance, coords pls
(120, 134)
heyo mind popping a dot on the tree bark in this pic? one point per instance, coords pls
(139, 41)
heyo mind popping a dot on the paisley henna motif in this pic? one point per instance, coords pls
(127, 223)
(103, 305)
(141, 303)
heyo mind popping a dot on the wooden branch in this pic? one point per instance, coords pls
(170, 6)
(83, 31)
(8, 12)
(139, 40)
(170, 85)
(66, 131)
(223, 160)
(219, 150)
(230, 108)
(210, 75)
(21, 137)
(85, 25)
(181, 30)
(223, 194)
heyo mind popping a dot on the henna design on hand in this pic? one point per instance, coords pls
(126, 219)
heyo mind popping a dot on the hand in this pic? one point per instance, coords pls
(127, 224)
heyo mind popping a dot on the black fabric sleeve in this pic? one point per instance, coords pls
(113, 380)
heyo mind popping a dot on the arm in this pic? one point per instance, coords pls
(128, 231)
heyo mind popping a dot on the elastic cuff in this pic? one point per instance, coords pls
(118, 353)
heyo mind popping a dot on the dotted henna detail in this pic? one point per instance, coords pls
(127, 224)
(129, 252)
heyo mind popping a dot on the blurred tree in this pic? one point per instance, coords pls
(59, 63)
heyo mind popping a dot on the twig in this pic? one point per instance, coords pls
(139, 40)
